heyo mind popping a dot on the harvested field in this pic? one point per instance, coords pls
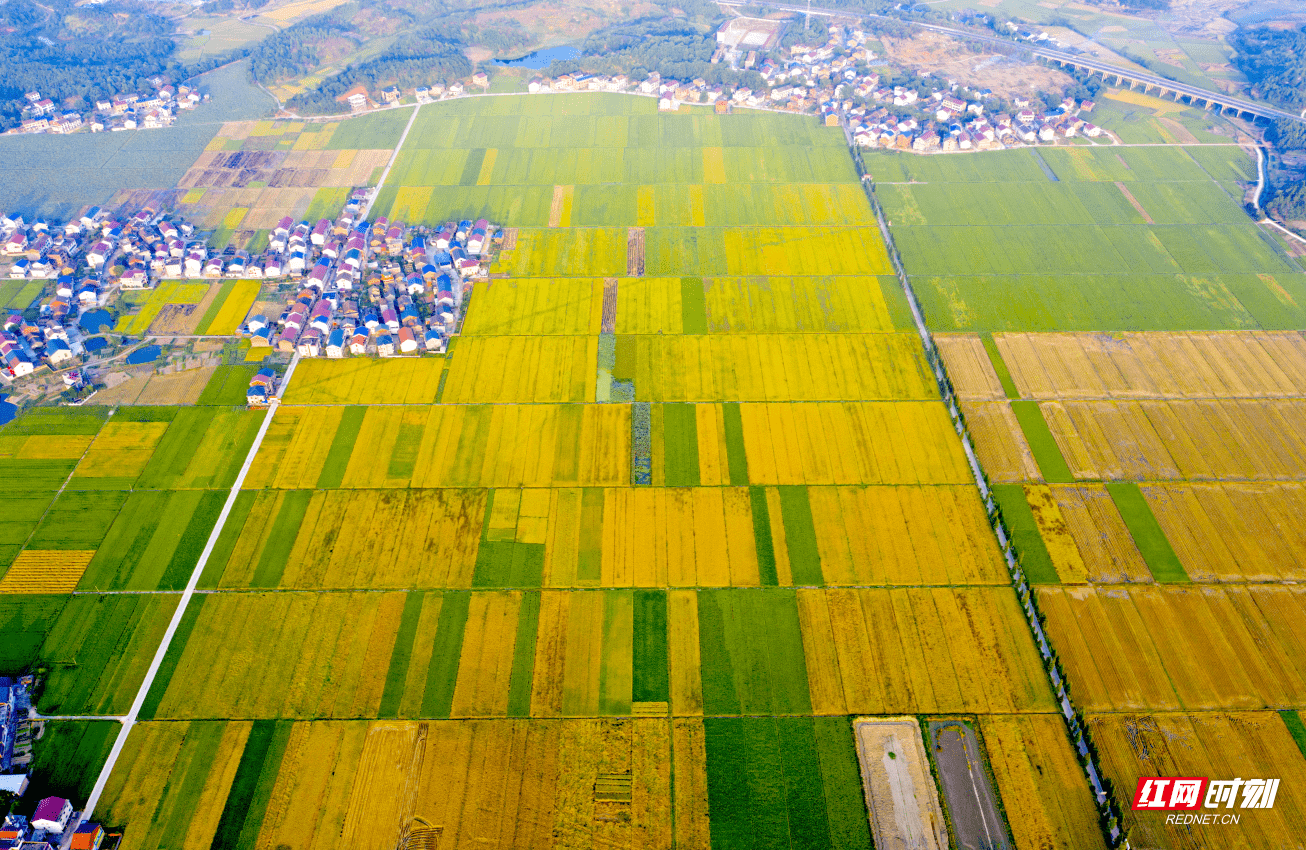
(635, 252)
(964, 776)
(1149, 647)
(900, 793)
(999, 442)
(182, 387)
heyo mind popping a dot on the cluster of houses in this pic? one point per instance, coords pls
(53, 825)
(129, 111)
(957, 125)
(373, 288)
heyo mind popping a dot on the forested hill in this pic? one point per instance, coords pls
(1274, 61)
(75, 55)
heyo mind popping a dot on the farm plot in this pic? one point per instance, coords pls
(1217, 745)
(299, 539)
(182, 387)
(454, 446)
(173, 302)
(307, 784)
(916, 650)
(228, 310)
(776, 367)
(202, 448)
(780, 304)
(280, 655)
(1233, 532)
(901, 797)
(173, 781)
(739, 251)
(724, 537)
(1141, 302)
(1153, 647)
(783, 782)
(1254, 364)
(1150, 440)
(119, 454)
(499, 370)
(363, 380)
(78, 520)
(98, 650)
(1034, 764)
(999, 441)
(534, 307)
(66, 760)
(45, 571)
(869, 443)
(25, 511)
(155, 542)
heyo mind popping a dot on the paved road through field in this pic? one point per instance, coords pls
(129, 720)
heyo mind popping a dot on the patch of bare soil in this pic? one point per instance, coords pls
(972, 66)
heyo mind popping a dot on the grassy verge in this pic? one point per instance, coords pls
(1025, 534)
(1042, 444)
(1146, 531)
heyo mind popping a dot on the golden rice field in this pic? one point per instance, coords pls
(157, 754)
(1218, 745)
(46, 571)
(1150, 440)
(969, 367)
(905, 442)
(1149, 647)
(453, 446)
(1034, 764)
(365, 380)
(1250, 531)
(147, 305)
(44, 446)
(503, 783)
(999, 443)
(638, 537)
(321, 655)
(734, 367)
(1238, 364)
(920, 651)
(537, 307)
(429, 540)
(120, 450)
(787, 304)
(1091, 541)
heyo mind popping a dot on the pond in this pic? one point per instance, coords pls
(95, 344)
(93, 320)
(541, 58)
(7, 410)
(148, 354)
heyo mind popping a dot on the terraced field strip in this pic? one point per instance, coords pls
(130, 719)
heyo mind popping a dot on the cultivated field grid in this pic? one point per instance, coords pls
(470, 616)
(1143, 435)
